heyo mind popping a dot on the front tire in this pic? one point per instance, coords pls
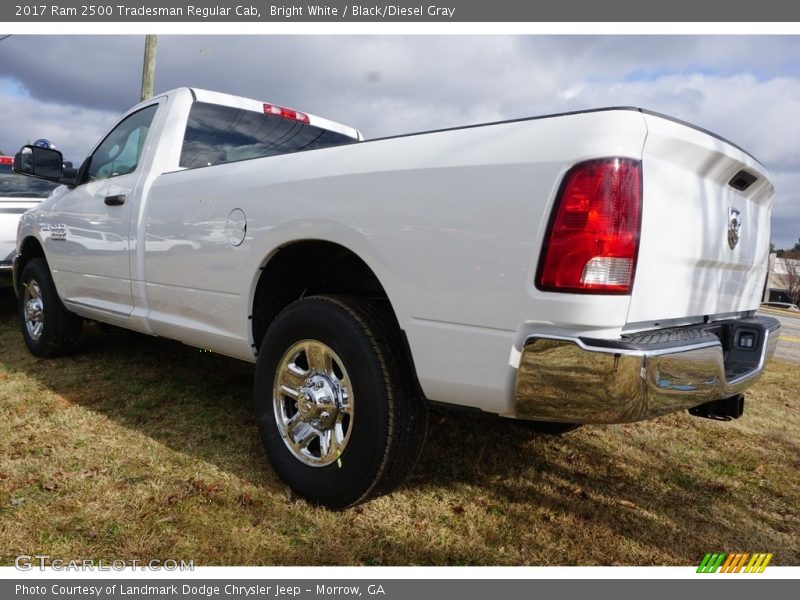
(48, 328)
(338, 417)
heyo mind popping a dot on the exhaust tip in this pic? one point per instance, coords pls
(720, 410)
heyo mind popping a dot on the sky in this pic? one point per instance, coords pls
(71, 89)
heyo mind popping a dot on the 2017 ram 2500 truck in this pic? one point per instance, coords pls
(592, 267)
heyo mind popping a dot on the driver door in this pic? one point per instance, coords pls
(91, 263)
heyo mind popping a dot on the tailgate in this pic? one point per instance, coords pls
(704, 243)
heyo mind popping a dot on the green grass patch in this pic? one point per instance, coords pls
(144, 448)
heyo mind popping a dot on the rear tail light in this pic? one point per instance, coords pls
(593, 239)
(6, 160)
(286, 113)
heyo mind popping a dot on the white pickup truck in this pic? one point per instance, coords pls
(592, 267)
(17, 195)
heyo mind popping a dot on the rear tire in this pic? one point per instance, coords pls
(338, 417)
(48, 328)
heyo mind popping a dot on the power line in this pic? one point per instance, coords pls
(5, 37)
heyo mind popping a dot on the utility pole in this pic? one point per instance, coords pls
(148, 67)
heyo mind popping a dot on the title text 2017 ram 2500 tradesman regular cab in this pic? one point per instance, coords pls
(592, 267)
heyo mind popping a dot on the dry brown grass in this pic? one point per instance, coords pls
(144, 448)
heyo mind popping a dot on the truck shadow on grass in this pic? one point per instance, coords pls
(486, 490)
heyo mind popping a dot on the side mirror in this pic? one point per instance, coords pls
(42, 163)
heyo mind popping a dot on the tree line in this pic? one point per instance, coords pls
(793, 252)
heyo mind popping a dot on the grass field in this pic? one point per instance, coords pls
(142, 448)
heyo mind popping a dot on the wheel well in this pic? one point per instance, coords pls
(318, 267)
(308, 268)
(31, 248)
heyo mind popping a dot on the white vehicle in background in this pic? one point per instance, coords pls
(17, 194)
(593, 267)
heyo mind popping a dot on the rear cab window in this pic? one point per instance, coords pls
(217, 134)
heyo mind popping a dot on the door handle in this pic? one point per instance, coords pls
(117, 200)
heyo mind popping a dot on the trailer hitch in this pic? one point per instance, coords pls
(720, 410)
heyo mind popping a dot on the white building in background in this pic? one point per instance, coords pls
(775, 289)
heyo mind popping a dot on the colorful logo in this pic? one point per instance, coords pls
(734, 563)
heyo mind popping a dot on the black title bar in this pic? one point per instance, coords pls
(738, 588)
(151, 11)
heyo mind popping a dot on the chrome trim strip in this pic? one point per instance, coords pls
(85, 305)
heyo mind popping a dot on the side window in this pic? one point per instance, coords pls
(119, 153)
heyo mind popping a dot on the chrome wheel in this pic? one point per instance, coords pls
(313, 402)
(47, 327)
(319, 355)
(34, 310)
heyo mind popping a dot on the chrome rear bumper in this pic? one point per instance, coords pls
(580, 380)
